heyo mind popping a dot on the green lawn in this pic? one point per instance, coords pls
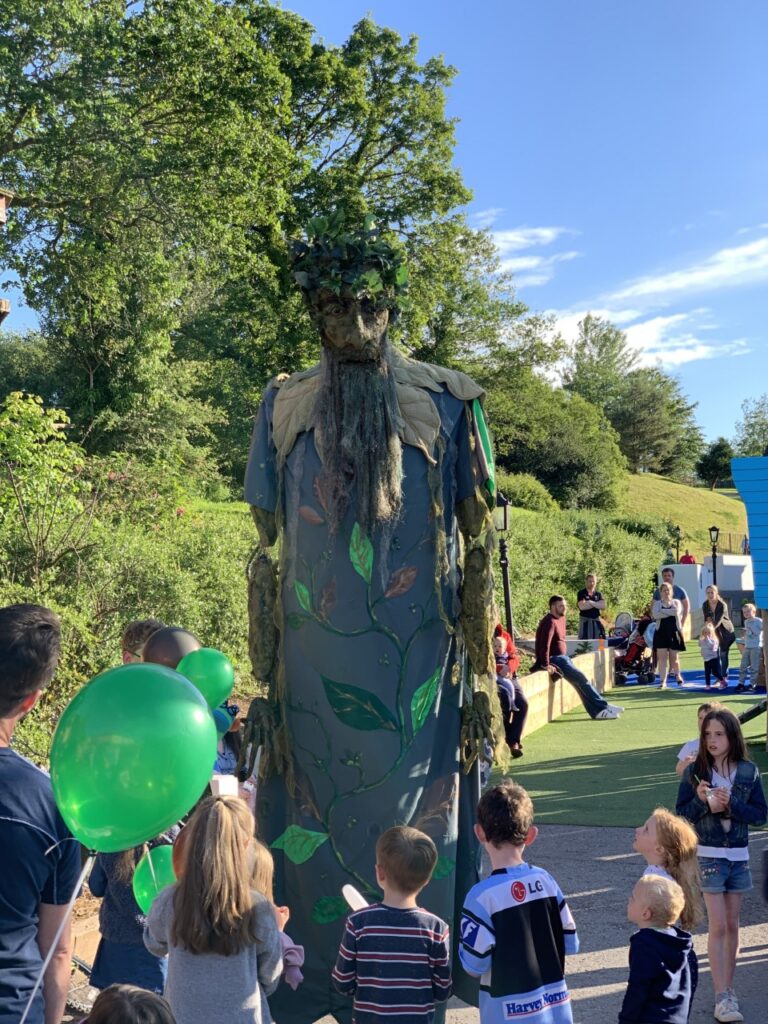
(693, 509)
(581, 772)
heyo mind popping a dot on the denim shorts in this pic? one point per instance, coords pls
(721, 875)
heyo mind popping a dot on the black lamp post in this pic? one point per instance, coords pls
(676, 533)
(501, 523)
(714, 533)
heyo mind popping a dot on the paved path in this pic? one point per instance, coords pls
(596, 869)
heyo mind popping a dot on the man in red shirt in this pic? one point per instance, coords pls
(551, 656)
(687, 558)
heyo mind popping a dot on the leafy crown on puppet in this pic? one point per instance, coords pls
(361, 262)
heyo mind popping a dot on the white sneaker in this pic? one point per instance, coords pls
(616, 707)
(609, 712)
(728, 1010)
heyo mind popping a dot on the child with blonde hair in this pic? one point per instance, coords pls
(669, 846)
(262, 880)
(659, 986)
(224, 951)
(753, 647)
(709, 645)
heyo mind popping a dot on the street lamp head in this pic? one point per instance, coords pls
(714, 533)
(500, 519)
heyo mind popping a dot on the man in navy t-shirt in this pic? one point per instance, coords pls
(39, 860)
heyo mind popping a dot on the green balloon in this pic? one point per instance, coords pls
(131, 755)
(153, 873)
(211, 672)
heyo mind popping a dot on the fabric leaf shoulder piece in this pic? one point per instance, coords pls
(423, 699)
(292, 411)
(299, 843)
(357, 708)
(420, 420)
(361, 553)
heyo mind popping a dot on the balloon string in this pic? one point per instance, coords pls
(152, 870)
(59, 932)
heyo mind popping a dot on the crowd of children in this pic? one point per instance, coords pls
(214, 944)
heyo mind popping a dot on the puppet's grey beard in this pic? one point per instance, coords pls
(355, 418)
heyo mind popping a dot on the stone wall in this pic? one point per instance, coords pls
(548, 700)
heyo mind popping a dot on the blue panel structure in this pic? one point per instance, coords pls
(751, 479)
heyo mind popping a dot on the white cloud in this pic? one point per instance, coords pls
(516, 239)
(728, 267)
(485, 218)
(534, 269)
(667, 341)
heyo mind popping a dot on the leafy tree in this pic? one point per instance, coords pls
(555, 436)
(752, 430)
(160, 152)
(656, 426)
(599, 362)
(714, 465)
(655, 423)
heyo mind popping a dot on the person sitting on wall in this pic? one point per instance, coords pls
(551, 657)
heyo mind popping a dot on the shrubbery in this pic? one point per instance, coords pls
(102, 546)
(552, 553)
(524, 491)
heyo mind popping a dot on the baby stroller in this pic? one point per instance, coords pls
(634, 657)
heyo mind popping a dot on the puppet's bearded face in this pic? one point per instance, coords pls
(353, 328)
(356, 414)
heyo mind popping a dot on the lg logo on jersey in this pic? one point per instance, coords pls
(520, 890)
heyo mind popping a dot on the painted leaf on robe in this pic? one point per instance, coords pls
(361, 553)
(327, 599)
(302, 595)
(359, 709)
(329, 908)
(444, 867)
(309, 515)
(400, 582)
(423, 699)
(299, 843)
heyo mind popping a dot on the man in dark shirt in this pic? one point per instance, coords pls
(39, 860)
(551, 655)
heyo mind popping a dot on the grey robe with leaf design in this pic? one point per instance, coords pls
(372, 690)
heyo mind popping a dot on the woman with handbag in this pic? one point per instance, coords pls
(716, 611)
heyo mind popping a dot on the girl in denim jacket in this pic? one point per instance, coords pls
(721, 795)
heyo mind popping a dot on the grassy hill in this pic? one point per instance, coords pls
(693, 509)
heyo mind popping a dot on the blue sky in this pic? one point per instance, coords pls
(619, 153)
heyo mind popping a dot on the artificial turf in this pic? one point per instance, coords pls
(581, 772)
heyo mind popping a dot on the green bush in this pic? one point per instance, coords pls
(551, 553)
(524, 491)
(104, 541)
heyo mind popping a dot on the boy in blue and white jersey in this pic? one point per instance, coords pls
(516, 927)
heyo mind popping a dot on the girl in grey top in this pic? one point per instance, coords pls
(221, 937)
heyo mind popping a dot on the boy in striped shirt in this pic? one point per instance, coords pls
(516, 927)
(394, 957)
